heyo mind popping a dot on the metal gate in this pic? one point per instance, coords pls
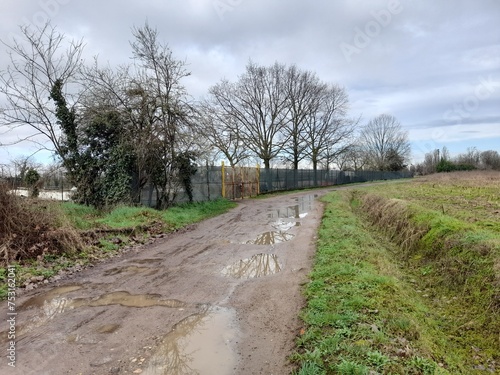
(240, 182)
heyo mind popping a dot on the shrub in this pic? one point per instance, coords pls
(30, 228)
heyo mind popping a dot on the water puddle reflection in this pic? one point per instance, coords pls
(271, 238)
(283, 226)
(292, 212)
(199, 344)
(129, 300)
(53, 294)
(257, 266)
(298, 211)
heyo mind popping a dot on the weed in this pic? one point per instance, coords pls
(107, 245)
(351, 368)
(310, 368)
(422, 366)
(377, 359)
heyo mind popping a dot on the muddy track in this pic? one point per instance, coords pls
(220, 298)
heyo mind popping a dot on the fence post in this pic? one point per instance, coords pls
(223, 179)
(232, 183)
(258, 179)
(62, 187)
(208, 180)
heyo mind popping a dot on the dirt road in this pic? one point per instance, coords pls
(220, 298)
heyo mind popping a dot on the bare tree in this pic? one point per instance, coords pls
(328, 130)
(353, 158)
(304, 91)
(172, 129)
(221, 131)
(383, 139)
(490, 159)
(431, 160)
(22, 164)
(36, 63)
(471, 157)
(258, 107)
(445, 153)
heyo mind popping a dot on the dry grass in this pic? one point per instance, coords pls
(465, 178)
(473, 197)
(394, 217)
(30, 228)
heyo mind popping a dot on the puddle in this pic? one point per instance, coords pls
(129, 269)
(292, 212)
(128, 300)
(298, 211)
(257, 266)
(52, 303)
(48, 310)
(283, 226)
(39, 301)
(271, 238)
(199, 344)
(107, 328)
(309, 198)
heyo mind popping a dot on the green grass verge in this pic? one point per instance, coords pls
(363, 314)
(87, 218)
(455, 263)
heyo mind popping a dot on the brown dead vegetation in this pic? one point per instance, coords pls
(30, 228)
(393, 216)
(464, 178)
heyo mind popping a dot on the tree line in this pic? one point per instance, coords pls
(440, 161)
(116, 129)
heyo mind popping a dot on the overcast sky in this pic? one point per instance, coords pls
(433, 64)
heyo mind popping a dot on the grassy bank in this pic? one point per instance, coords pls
(99, 234)
(401, 287)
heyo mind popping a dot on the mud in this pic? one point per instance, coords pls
(129, 269)
(220, 298)
(146, 261)
(108, 328)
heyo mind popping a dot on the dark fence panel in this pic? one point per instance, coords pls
(242, 182)
(290, 179)
(207, 185)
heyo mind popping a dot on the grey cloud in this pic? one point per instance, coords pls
(427, 59)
